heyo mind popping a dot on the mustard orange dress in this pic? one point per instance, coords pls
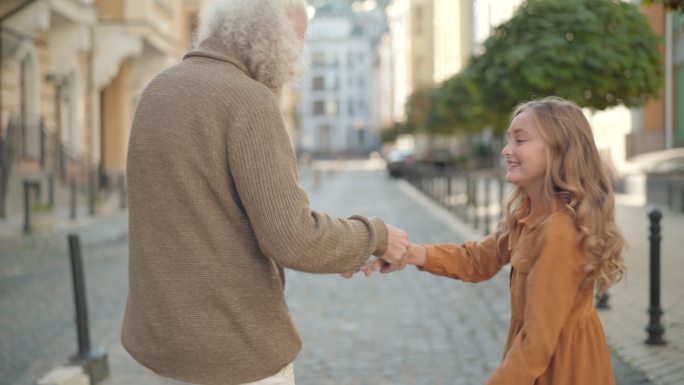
(555, 336)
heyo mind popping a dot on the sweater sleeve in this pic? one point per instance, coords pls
(263, 166)
(552, 285)
(471, 262)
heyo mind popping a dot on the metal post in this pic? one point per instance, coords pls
(41, 129)
(655, 329)
(51, 190)
(448, 200)
(122, 188)
(79, 295)
(602, 301)
(476, 212)
(72, 201)
(93, 361)
(91, 192)
(27, 206)
(466, 208)
(502, 195)
(3, 186)
(486, 202)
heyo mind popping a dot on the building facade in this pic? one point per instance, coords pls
(71, 74)
(337, 93)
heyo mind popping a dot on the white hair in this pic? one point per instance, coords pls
(260, 33)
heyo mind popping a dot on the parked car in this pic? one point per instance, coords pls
(398, 161)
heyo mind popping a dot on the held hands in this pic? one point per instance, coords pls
(414, 256)
(395, 258)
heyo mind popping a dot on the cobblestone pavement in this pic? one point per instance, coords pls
(404, 328)
(36, 296)
(626, 321)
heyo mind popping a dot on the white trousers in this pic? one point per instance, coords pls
(284, 377)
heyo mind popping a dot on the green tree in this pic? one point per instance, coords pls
(457, 106)
(418, 106)
(597, 53)
(673, 5)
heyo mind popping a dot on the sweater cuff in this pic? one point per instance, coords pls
(380, 236)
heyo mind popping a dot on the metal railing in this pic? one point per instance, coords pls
(6, 157)
(29, 140)
(474, 196)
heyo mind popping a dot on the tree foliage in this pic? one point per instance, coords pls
(673, 5)
(418, 107)
(597, 53)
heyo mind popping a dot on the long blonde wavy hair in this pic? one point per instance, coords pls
(576, 173)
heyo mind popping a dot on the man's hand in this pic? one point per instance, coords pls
(415, 256)
(396, 256)
(394, 259)
(397, 246)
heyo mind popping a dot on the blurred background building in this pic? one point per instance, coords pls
(71, 74)
(340, 91)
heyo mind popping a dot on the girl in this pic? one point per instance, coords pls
(560, 237)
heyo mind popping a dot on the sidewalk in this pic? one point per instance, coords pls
(408, 328)
(57, 220)
(626, 320)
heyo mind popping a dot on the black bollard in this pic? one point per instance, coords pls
(93, 362)
(602, 301)
(91, 192)
(502, 197)
(486, 202)
(655, 329)
(72, 201)
(122, 192)
(51, 190)
(79, 295)
(448, 200)
(476, 207)
(27, 206)
(469, 195)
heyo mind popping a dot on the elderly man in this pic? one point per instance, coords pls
(216, 211)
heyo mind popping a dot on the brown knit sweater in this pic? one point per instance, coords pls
(215, 213)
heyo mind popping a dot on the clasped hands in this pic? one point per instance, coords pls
(400, 252)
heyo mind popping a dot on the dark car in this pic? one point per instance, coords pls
(398, 161)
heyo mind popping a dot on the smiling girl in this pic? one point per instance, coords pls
(560, 237)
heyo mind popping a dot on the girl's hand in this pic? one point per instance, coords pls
(415, 254)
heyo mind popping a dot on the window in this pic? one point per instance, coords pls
(324, 135)
(319, 107)
(318, 83)
(331, 108)
(318, 59)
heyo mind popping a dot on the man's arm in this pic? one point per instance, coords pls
(263, 166)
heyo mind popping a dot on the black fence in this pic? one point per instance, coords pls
(53, 163)
(474, 196)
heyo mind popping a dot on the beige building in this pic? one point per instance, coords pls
(431, 41)
(71, 74)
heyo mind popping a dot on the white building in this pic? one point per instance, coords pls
(337, 92)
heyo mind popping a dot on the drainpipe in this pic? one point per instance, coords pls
(668, 82)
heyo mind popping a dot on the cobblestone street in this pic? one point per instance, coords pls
(404, 328)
